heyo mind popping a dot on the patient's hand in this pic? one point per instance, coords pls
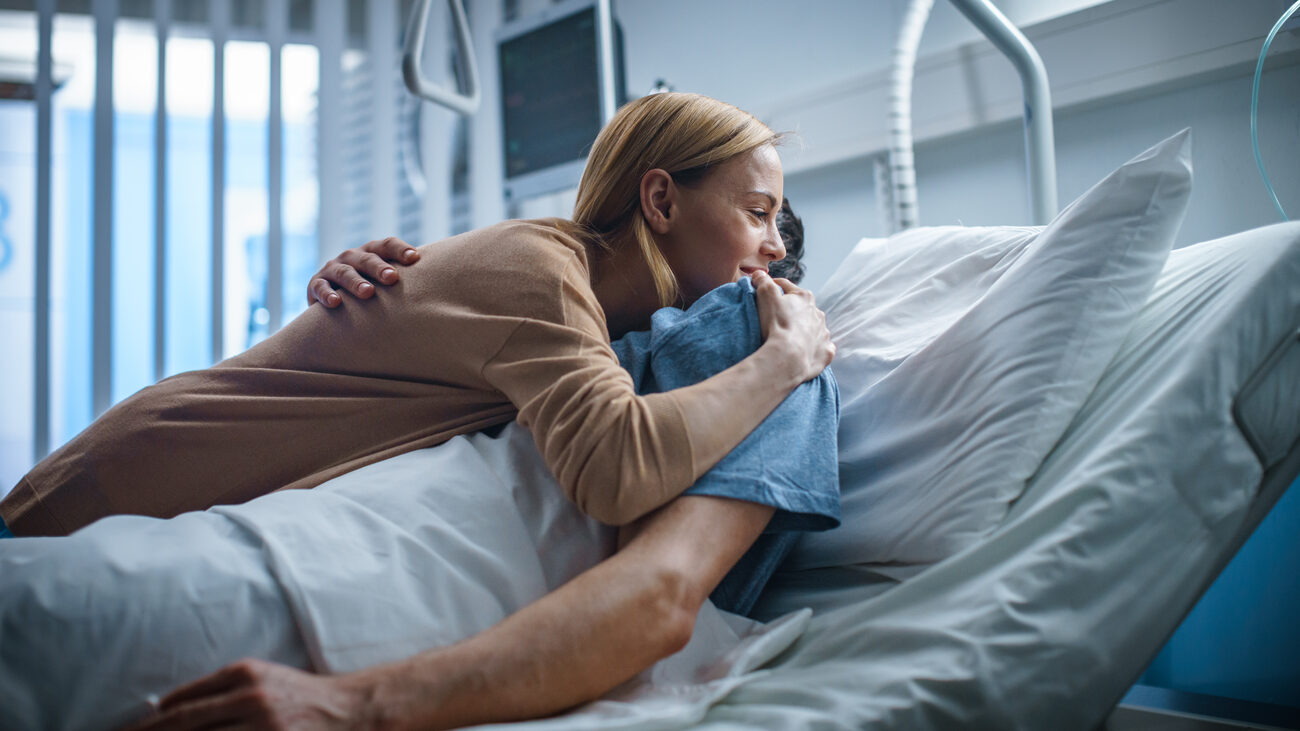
(263, 695)
(354, 269)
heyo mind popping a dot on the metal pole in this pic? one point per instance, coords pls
(331, 38)
(381, 26)
(605, 55)
(277, 22)
(219, 12)
(162, 20)
(1040, 146)
(44, 121)
(101, 317)
(465, 102)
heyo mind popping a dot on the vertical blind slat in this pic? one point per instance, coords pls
(219, 11)
(162, 21)
(105, 12)
(44, 137)
(277, 22)
(331, 19)
(382, 48)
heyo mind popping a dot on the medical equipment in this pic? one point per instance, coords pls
(556, 94)
(465, 101)
(1254, 106)
(561, 78)
(899, 180)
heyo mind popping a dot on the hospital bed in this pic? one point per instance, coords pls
(1179, 435)
(1052, 439)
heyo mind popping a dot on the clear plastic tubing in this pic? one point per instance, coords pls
(1254, 106)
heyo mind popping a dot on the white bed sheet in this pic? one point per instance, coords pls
(415, 552)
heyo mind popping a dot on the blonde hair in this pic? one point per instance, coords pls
(686, 135)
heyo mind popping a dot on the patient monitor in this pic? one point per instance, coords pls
(551, 96)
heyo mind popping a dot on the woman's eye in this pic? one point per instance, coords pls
(759, 213)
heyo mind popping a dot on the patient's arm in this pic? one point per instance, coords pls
(569, 647)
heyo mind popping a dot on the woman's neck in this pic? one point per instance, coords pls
(624, 288)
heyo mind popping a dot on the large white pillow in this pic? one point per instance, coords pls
(963, 353)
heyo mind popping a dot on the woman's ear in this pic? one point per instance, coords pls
(658, 197)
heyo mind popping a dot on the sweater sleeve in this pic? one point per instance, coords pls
(616, 454)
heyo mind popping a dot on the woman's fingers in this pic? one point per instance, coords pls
(370, 265)
(350, 279)
(393, 249)
(356, 270)
(320, 291)
(789, 314)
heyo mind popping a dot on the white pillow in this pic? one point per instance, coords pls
(963, 353)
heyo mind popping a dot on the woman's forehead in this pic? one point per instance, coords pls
(758, 171)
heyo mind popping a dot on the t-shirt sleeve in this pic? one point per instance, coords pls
(790, 461)
(616, 454)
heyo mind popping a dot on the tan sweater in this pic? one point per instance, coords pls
(488, 326)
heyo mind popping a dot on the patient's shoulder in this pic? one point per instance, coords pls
(716, 332)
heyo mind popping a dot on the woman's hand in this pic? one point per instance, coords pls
(261, 695)
(350, 270)
(791, 322)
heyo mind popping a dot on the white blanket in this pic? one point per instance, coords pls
(412, 553)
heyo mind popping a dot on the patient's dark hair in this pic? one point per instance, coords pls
(791, 229)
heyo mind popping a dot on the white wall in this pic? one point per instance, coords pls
(979, 178)
(1125, 74)
(754, 53)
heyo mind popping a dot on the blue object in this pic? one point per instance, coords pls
(4, 530)
(1254, 106)
(789, 462)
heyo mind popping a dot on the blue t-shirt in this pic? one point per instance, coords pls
(790, 461)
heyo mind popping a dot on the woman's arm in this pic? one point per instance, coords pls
(616, 454)
(569, 647)
(619, 455)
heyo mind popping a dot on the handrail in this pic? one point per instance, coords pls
(605, 59)
(1040, 145)
(465, 102)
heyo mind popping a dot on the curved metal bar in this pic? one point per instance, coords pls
(605, 54)
(465, 102)
(1040, 144)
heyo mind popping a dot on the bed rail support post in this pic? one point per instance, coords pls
(1040, 145)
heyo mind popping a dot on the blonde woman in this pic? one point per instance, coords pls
(510, 322)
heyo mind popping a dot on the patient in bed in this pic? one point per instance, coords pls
(788, 463)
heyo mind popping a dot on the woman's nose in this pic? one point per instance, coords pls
(773, 246)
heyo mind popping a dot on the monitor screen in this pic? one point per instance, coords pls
(550, 99)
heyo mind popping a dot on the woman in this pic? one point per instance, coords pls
(679, 197)
(513, 321)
